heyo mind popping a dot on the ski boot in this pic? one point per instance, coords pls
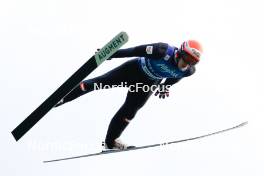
(116, 145)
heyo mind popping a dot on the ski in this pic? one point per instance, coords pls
(147, 146)
(107, 51)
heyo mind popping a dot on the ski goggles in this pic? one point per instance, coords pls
(187, 58)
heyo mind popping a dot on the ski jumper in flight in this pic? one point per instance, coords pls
(142, 75)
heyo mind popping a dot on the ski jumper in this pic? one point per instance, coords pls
(153, 63)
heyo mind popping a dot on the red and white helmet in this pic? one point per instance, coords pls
(191, 51)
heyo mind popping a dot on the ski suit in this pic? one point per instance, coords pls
(153, 63)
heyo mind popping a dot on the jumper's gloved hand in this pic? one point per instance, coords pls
(163, 91)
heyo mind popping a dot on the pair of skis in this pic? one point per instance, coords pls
(148, 146)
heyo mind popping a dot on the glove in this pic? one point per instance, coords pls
(162, 91)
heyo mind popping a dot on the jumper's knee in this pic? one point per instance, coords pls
(130, 112)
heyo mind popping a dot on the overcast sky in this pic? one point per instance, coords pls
(42, 42)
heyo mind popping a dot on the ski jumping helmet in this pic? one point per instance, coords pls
(190, 51)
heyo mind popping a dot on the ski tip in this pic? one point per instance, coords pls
(111, 47)
(244, 123)
(124, 34)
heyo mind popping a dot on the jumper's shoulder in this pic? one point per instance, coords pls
(156, 50)
(162, 48)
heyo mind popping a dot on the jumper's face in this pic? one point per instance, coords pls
(188, 58)
(182, 65)
(184, 60)
(180, 62)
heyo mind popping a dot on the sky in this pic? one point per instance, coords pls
(43, 42)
